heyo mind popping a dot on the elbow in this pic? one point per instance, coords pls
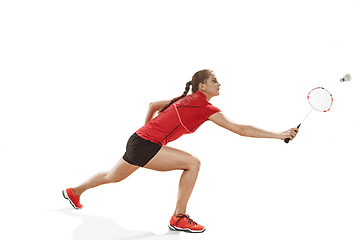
(243, 130)
(152, 107)
(155, 106)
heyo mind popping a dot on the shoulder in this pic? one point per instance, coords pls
(209, 107)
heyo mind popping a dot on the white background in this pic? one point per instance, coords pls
(77, 77)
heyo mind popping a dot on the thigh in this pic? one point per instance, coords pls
(168, 159)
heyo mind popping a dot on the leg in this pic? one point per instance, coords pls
(168, 159)
(119, 172)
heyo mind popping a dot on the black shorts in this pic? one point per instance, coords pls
(140, 151)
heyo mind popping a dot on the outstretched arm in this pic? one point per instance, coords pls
(250, 131)
(153, 108)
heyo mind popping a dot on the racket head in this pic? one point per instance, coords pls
(320, 99)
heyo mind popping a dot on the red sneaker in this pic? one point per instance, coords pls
(73, 199)
(183, 222)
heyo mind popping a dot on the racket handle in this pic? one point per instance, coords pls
(287, 140)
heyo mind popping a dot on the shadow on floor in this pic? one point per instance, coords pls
(100, 228)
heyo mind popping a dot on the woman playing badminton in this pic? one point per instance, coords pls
(147, 146)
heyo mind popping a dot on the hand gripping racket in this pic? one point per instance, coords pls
(319, 99)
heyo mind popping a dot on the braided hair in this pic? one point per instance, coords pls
(198, 77)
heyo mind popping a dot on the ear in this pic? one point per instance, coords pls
(202, 87)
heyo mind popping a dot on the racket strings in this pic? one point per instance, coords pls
(320, 99)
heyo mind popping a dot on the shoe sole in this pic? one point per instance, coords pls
(173, 228)
(64, 193)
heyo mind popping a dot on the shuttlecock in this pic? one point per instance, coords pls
(346, 78)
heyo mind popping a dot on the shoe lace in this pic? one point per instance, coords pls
(188, 219)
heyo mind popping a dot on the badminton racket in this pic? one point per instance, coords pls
(320, 100)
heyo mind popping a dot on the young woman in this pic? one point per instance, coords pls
(147, 146)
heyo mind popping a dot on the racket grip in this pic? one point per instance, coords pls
(287, 140)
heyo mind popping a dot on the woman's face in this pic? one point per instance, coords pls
(211, 86)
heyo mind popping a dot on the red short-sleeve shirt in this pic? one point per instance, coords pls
(184, 116)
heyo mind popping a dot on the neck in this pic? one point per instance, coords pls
(208, 97)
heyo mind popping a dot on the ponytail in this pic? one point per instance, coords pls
(187, 88)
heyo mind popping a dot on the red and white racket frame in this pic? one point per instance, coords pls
(332, 99)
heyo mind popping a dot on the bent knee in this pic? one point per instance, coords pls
(195, 163)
